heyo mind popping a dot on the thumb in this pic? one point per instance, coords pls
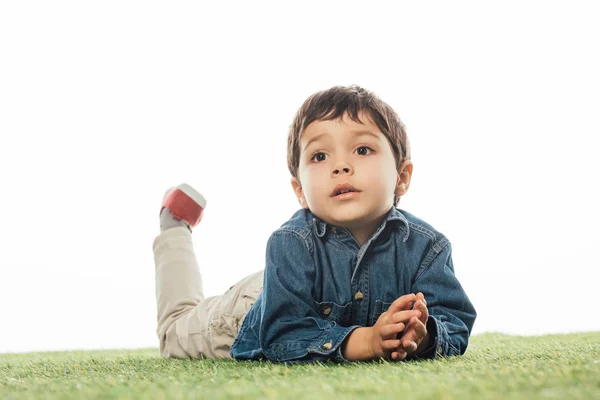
(402, 303)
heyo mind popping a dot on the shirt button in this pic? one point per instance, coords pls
(358, 296)
(327, 346)
(333, 229)
(326, 310)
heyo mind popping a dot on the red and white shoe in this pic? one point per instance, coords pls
(185, 203)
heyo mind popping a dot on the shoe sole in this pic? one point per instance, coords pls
(185, 203)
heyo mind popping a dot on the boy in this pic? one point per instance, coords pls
(348, 277)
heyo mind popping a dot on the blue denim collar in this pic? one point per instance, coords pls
(321, 227)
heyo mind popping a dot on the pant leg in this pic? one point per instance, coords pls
(228, 312)
(188, 324)
(181, 307)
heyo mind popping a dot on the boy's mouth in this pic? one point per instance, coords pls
(343, 188)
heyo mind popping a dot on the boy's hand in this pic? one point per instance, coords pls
(384, 341)
(415, 338)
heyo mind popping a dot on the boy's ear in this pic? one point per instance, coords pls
(299, 192)
(404, 175)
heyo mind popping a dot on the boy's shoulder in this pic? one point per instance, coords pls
(299, 226)
(300, 222)
(417, 225)
(422, 232)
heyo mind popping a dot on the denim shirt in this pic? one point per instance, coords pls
(320, 285)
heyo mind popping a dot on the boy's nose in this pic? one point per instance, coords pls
(336, 171)
(341, 165)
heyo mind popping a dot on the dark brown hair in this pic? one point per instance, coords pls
(338, 101)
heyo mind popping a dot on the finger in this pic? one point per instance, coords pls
(416, 330)
(421, 306)
(413, 330)
(420, 296)
(402, 303)
(419, 327)
(392, 329)
(399, 355)
(391, 344)
(409, 346)
(416, 325)
(402, 354)
(404, 316)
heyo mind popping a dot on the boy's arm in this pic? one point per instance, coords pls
(291, 327)
(451, 314)
(355, 347)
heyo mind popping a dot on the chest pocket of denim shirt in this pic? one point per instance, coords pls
(335, 312)
(380, 308)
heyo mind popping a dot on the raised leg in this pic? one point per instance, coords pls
(190, 325)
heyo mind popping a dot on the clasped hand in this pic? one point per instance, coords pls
(401, 330)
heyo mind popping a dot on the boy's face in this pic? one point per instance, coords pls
(347, 152)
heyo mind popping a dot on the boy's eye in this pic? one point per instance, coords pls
(365, 152)
(318, 156)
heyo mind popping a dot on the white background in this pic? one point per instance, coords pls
(105, 105)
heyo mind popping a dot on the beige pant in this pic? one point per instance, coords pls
(188, 324)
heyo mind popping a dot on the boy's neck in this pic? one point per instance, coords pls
(363, 233)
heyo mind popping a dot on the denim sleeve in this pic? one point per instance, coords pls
(291, 328)
(451, 314)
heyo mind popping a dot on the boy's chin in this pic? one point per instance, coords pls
(347, 218)
(353, 217)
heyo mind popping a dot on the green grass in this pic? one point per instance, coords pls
(495, 366)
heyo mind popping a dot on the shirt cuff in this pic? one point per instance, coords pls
(338, 356)
(327, 347)
(330, 345)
